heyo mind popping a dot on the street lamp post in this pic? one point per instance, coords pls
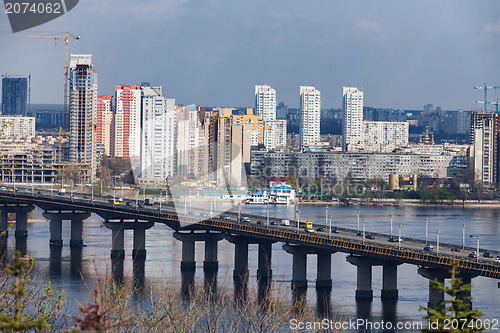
(358, 222)
(463, 235)
(426, 230)
(478, 247)
(298, 219)
(239, 212)
(399, 238)
(267, 222)
(391, 224)
(364, 229)
(330, 236)
(326, 216)
(437, 243)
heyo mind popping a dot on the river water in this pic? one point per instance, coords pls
(164, 256)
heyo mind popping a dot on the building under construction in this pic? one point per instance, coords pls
(82, 110)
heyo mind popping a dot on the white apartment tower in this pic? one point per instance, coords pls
(310, 116)
(352, 136)
(265, 102)
(82, 111)
(157, 160)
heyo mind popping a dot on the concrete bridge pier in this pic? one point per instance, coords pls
(324, 270)
(364, 265)
(299, 265)
(467, 279)
(4, 224)
(118, 234)
(211, 262)
(188, 249)
(434, 274)
(264, 270)
(240, 271)
(139, 250)
(389, 281)
(56, 219)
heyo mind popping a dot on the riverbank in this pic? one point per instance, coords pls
(397, 203)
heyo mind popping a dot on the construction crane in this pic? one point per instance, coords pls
(485, 87)
(67, 36)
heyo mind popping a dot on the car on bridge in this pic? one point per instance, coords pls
(429, 247)
(370, 237)
(395, 239)
(244, 219)
(473, 254)
(260, 222)
(320, 229)
(455, 249)
(3, 188)
(309, 230)
(488, 255)
(496, 260)
(273, 223)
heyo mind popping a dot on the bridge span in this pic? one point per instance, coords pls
(362, 252)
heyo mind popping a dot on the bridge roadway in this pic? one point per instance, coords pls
(377, 251)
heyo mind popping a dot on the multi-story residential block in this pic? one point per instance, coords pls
(190, 142)
(157, 157)
(104, 120)
(14, 95)
(310, 116)
(82, 111)
(127, 122)
(17, 126)
(352, 123)
(384, 136)
(280, 133)
(358, 167)
(256, 123)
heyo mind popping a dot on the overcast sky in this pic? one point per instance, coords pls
(404, 54)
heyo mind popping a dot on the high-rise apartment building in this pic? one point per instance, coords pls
(14, 95)
(310, 116)
(157, 157)
(280, 133)
(104, 120)
(190, 142)
(484, 135)
(256, 123)
(82, 111)
(127, 122)
(265, 102)
(352, 135)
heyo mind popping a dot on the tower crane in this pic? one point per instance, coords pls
(485, 87)
(67, 36)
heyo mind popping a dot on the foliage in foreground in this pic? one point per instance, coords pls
(454, 314)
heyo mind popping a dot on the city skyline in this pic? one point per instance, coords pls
(419, 56)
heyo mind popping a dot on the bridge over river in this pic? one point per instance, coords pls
(189, 228)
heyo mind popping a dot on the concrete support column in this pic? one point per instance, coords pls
(299, 265)
(4, 224)
(76, 233)
(324, 277)
(188, 261)
(390, 281)
(118, 248)
(21, 223)
(438, 275)
(56, 239)
(364, 277)
(240, 259)
(211, 263)
(467, 279)
(139, 250)
(264, 261)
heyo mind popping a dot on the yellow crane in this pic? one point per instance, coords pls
(67, 36)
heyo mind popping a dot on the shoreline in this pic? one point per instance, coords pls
(489, 205)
